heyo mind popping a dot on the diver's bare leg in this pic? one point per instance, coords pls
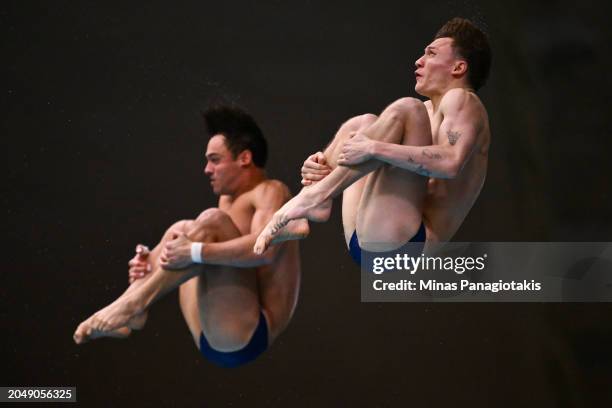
(137, 299)
(398, 191)
(321, 213)
(312, 201)
(85, 331)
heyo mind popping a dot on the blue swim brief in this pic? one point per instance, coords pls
(358, 254)
(257, 345)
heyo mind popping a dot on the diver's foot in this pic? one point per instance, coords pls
(114, 316)
(301, 206)
(294, 230)
(86, 332)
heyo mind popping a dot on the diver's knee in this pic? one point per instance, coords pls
(179, 226)
(358, 122)
(403, 108)
(210, 218)
(367, 119)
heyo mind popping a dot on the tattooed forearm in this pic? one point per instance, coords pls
(417, 167)
(453, 137)
(431, 155)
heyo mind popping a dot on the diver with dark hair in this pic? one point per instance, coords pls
(235, 302)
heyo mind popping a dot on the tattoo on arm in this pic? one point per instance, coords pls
(431, 155)
(453, 137)
(418, 168)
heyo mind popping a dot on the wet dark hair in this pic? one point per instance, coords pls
(471, 43)
(240, 130)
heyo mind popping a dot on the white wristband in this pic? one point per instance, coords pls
(196, 252)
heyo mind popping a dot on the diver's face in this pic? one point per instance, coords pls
(221, 167)
(434, 69)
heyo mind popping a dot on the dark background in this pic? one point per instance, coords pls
(105, 149)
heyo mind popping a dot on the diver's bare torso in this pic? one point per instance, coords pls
(448, 201)
(277, 283)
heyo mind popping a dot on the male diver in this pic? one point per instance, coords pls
(235, 303)
(413, 173)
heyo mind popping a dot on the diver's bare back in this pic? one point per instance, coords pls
(448, 201)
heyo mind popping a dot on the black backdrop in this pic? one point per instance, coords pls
(105, 149)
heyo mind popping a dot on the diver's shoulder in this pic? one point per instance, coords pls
(459, 95)
(461, 98)
(272, 183)
(271, 186)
